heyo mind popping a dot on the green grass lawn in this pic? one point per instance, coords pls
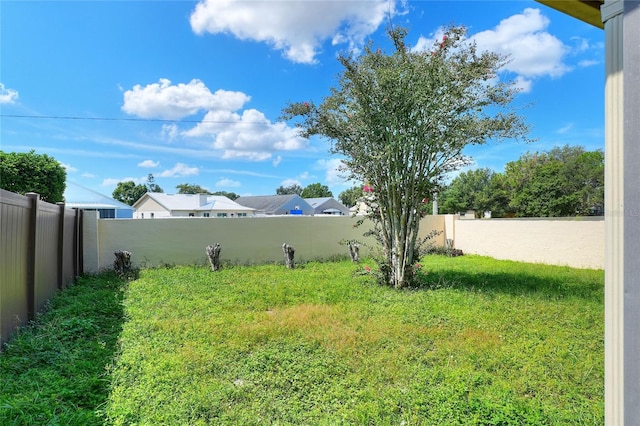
(482, 342)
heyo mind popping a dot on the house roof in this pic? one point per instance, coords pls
(270, 203)
(315, 202)
(585, 10)
(77, 196)
(193, 202)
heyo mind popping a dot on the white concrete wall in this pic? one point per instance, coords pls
(573, 242)
(248, 240)
(577, 242)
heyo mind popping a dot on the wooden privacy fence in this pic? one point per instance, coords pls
(40, 253)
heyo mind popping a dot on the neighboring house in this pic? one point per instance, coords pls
(360, 209)
(78, 197)
(327, 206)
(160, 205)
(291, 204)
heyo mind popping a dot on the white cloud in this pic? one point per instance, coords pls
(297, 28)
(533, 51)
(7, 96)
(523, 84)
(170, 131)
(114, 181)
(149, 164)
(249, 135)
(565, 128)
(69, 168)
(228, 183)
(588, 63)
(277, 161)
(179, 170)
(331, 168)
(290, 182)
(172, 102)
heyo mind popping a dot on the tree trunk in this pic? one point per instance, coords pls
(354, 251)
(213, 253)
(122, 264)
(288, 255)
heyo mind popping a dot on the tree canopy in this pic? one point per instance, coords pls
(471, 190)
(401, 121)
(187, 188)
(316, 190)
(23, 172)
(128, 192)
(152, 186)
(349, 197)
(287, 190)
(565, 181)
(229, 195)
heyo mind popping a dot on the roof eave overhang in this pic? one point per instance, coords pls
(585, 10)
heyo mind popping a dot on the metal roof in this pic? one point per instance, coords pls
(78, 196)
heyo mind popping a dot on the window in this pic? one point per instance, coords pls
(141, 215)
(222, 215)
(152, 215)
(205, 214)
(242, 215)
(192, 215)
(107, 213)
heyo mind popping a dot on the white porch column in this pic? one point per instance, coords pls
(622, 212)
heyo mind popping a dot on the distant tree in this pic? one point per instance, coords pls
(229, 195)
(291, 189)
(128, 192)
(30, 172)
(151, 184)
(349, 197)
(316, 190)
(566, 181)
(401, 122)
(187, 188)
(471, 190)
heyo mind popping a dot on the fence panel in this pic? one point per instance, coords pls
(39, 253)
(14, 242)
(46, 255)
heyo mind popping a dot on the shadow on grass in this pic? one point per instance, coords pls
(548, 283)
(55, 371)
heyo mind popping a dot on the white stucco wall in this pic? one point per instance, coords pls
(572, 241)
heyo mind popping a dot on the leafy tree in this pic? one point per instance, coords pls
(471, 190)
(566, 181)
(229, 195)
(128, 192)
(151, 184)
(291, 189)
(316, 190)
(30, 172)
(187, 188)
(349, 197)
(401, 121)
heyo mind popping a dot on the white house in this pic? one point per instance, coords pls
(159, 205)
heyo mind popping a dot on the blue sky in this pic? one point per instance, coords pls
(191, 91)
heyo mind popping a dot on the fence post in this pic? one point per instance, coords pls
(31, 255)
(60, 259)
(78, 248)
